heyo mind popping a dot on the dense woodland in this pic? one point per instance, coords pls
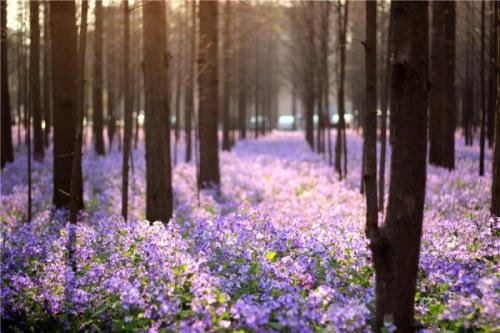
(250, 166)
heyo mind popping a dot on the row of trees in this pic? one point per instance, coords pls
(153, 80)
(225, 59)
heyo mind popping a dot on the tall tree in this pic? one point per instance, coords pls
(189, 91)
(384, 101)
(493, 73)
(64, 78)
(370, 127)
(127, 108)
(396, 244)
(157, 117)
(227, 50)
(341, 144)
(495, 188)
(36, 107)
(76, 186)
(7, 154)
(208, 95)
(442, 93)
(98, 83)
(482, 135)
(47, 87)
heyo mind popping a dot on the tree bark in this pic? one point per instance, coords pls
(227, 49)
(482, 135)
(98, 82)
(7, 154)
(495, 187)
(442, 94)
(127, 111)
(340, 144)
(208, 94)
(370, 132)
(189, 91)
(396, 245)
(47, 87)
(384, 105)
(36, 107)
(64, 78)
(76, 186)
(157, 120)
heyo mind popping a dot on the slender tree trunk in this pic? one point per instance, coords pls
(111, 79)
(495, 187)
(383, 128)
(76, 188)
(189, 91)
(47, 87)
(179, 84)
(208, 91)
(483, 93)
(36, 107)
(340, 144)
(7, 154)
(98, 82)
(226, 144)
(127, 111)
(157, 122)
(370, 128)
(396, 244)
(442, 94)
(492, 76)
(64, 78)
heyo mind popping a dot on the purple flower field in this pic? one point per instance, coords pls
(282, 249)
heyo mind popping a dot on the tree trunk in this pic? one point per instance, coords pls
(442, 93)
(64, 78)
(208, 94)
(157, 120)
(76, 188)
(492, 77)
(98, 83)
(36, 107)
(396, 245)
(47, 88)
(495, 188)
(383, 128)
(340, 144)
(189, 91)
(7, 154)
(482, 134)
(127, 111)
(227, 49)
(370, 130)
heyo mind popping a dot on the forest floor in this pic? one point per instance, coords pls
(283, 247)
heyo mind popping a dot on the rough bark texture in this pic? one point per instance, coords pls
(127, 111)
(64, 54)
(36, 107)
(98, 83)
(76, 186)
(7, 154)
(396, 245)
(208, 94)
(370, 132)
(157, 124)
